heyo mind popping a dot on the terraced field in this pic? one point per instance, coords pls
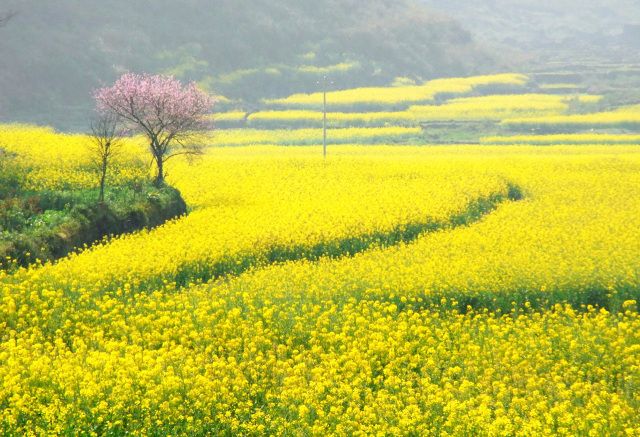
(389, 289)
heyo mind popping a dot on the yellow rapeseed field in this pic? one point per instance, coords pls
(591, 138)
(497, 107)
(621, 119)
(58, 160)
(386, 290)
(400, 95)
(514, 109)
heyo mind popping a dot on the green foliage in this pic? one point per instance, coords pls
(46, 225)
(11, 176)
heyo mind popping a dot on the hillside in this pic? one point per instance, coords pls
(552, 30)
(55, 53)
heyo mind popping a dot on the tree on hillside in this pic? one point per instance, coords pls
(105, 142)
(168, 113)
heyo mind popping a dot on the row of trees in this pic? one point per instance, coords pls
(168, 113)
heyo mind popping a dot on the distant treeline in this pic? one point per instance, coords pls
(55, 53)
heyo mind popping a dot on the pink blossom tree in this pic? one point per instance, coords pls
(168, 113)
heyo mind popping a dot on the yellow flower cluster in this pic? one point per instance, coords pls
(244, 362)
(572, 239)
(491, 107)
(36, 148)
(613, 119)
(549, 140)
(242, 202)
(323, 314)
(497, 107)
(236, 116)
(400, 95)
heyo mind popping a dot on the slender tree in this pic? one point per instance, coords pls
(104, 145)
(168, 113)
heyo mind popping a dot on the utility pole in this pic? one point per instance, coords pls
(324, 119)
(324, 84)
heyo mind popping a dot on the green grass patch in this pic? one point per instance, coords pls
(39, 226)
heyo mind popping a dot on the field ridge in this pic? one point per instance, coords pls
(475, 211)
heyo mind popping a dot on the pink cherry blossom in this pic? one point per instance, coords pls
(167, 112)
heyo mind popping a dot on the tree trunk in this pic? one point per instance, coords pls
(101, 197)
(160, 175)
(158, 157)
(103, 177)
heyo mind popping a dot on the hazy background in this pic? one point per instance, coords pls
(55, 52)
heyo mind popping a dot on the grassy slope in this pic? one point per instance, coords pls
(49, 224)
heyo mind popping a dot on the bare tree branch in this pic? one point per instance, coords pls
(6, 16)
(104, 145)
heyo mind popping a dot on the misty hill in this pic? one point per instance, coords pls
(552, 29)
(55, 53)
